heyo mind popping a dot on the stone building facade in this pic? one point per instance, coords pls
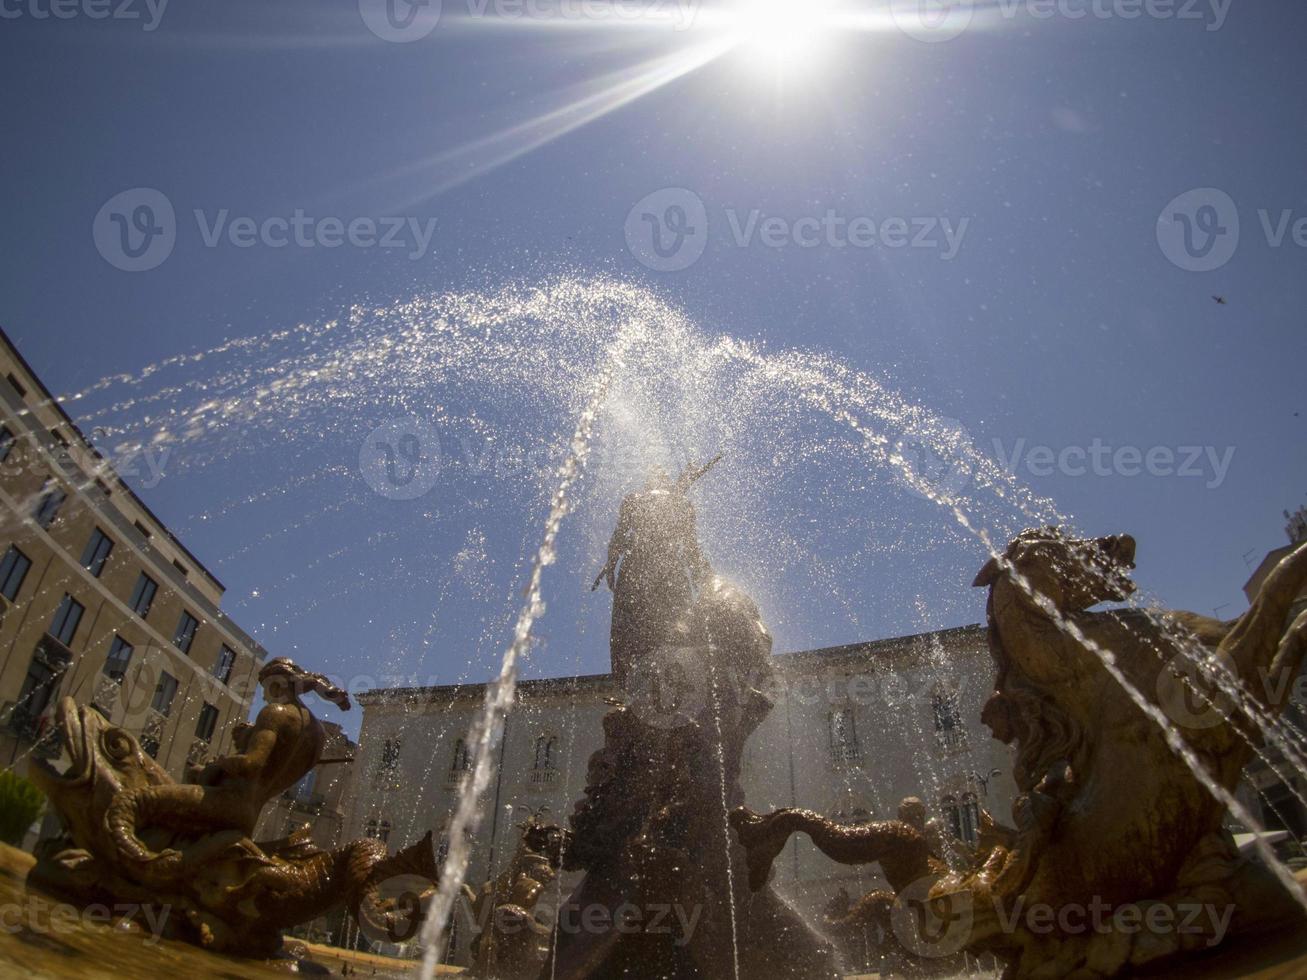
(100, 601)
(855, 730)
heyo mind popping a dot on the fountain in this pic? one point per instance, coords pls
(135, 837)
(1119, 858)
(649, 834)
(1124, 783)
(512, 945)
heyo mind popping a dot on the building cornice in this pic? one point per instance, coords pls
(877, 653)
(54, 403)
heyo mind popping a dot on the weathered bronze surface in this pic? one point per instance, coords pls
(903, 852)
(1113, 829)
(512, 944)
(692, 655)
(134, 835)
(1110, 814)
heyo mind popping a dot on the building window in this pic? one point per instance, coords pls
(180, 567)
(47, 509)
(143, 595)
(963, 818)
(6, 442)
(120, 655)
(164, 692)
(66, 618)
(844, 736)
(546, 756)
(145, 531)
(97, 552)
(184, 635)
(949, 733)
(390, 755)
(969, 818)
(462, 758)
(38, 690)
(17, 385)
(13, 569)
(207, 722)
(150, 744)
(949, 805)
(303, 790)
(226, 661)
(379, 830)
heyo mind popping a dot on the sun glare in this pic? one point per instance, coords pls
(779, 33)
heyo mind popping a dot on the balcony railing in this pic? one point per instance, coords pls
(52, 652)
(951, 740)
(846, 754)
(542, 778)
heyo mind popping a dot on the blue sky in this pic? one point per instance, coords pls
(1060, 320)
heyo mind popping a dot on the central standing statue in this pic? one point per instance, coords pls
(657, 545)
(666, 892)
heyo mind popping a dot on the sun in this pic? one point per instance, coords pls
(779, 33)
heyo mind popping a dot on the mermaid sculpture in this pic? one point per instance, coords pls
(283, 745)
(132, 835)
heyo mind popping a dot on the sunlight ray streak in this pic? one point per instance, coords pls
(479, 157)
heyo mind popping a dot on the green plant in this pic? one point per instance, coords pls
(20, 804)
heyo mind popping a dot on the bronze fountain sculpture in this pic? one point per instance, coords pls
(650, 834)
(512, 944)
(132, 834)
(1111, 823)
